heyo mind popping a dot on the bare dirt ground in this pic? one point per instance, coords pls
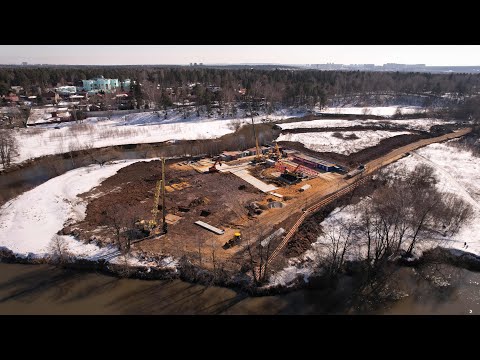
(213, 198)
(220, 199)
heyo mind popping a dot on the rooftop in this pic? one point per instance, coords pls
(313, 159)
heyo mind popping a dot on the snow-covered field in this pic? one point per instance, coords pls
(326, 142)
(138, 128)
(413, 124)
(148, 127)
(29, 222)
(457, 171)
(377, 110)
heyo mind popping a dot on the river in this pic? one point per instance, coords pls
(45, 289)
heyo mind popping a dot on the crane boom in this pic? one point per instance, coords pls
(155, 202)
(277, 150)
(257, 147)
(259, 154)
(164, 210)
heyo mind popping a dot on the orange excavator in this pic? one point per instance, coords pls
(213, 168)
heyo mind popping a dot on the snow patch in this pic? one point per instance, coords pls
(412, 124)
(326, 142)
(457, 171)
(377, 110)
(140, 128)
(30, 221)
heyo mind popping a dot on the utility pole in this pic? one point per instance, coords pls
(164, 211)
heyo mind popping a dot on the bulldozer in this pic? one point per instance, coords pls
(237, 237)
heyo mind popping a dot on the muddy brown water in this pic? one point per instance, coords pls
(44, 289)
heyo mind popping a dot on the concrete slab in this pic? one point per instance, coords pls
(254, 181)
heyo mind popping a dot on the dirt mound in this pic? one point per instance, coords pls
(362, 156)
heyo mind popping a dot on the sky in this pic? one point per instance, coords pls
(433, 55)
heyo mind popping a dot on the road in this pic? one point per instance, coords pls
(318, 197)
(324, 190)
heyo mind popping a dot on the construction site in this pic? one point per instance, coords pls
(236, 210)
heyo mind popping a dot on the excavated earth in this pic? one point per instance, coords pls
(220, 199)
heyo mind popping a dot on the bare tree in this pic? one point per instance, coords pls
(235, 125)
(58, 248)
(121, 220)
(101, 156)
(25, 114)
(340, 237)
(366, 111)
(258, 255)
(8, 147)
(405, 211)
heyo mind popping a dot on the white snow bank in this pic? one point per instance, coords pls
(413, 124)
(457, 171)
(46, 141)
(146, 127)
(29, 222)
(288, 275)
(377, 110)
(325, 142)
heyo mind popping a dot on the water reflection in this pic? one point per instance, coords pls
(43, 289)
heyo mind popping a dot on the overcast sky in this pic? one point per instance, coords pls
(234, 54)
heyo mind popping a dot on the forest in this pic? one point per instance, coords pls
(287, 86)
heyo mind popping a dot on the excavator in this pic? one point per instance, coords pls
(213, 168)
(292, 176)
(294, 172)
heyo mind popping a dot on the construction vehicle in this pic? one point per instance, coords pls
(361, 168)
(277, 151)
(213, 168)
(233, 241)
(291, 177)
(258, 150)
(294, 172)
(150, 227)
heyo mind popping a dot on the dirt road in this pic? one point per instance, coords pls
(311, 199)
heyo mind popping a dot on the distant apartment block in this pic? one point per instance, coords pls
(100, 84)
(108, 85)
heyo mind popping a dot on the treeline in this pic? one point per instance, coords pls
(291, 87)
